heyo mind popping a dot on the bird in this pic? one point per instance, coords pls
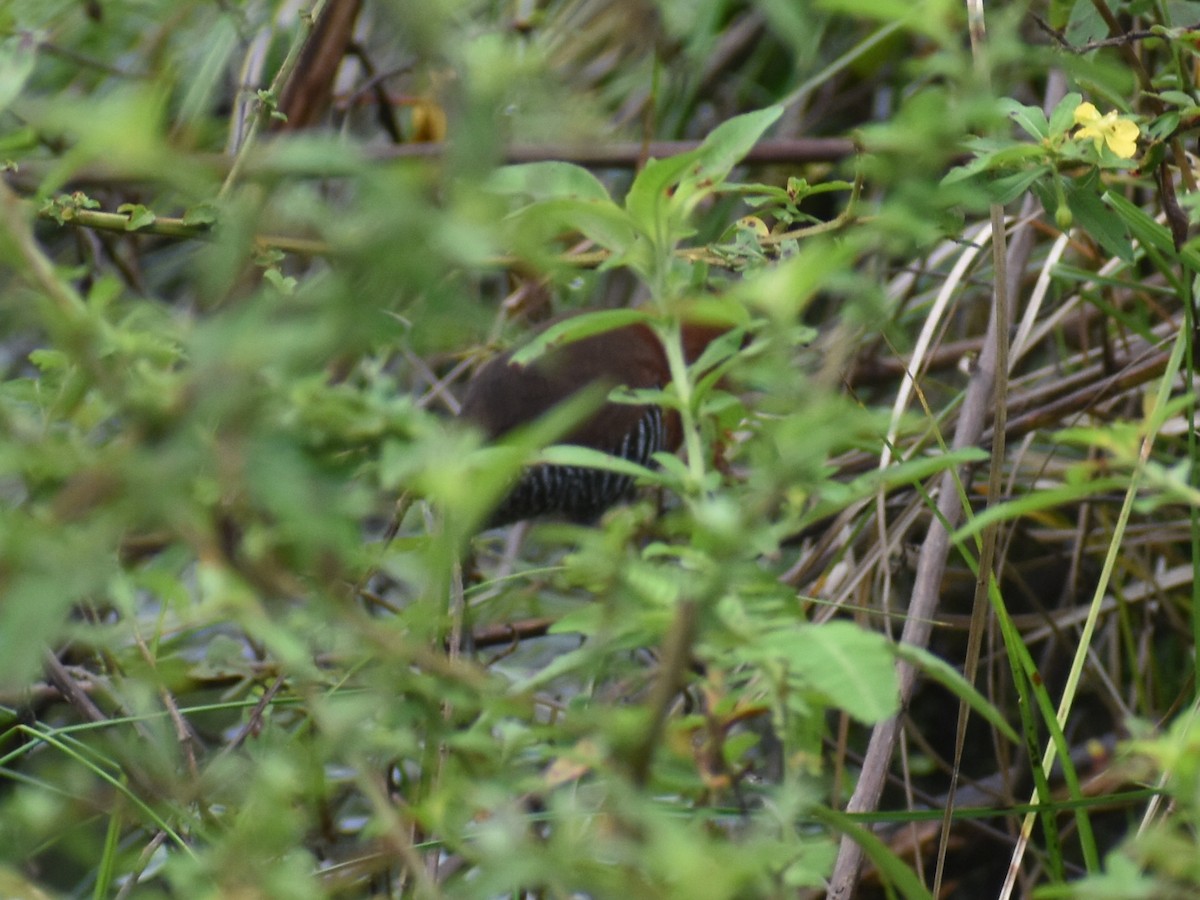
(503, 395)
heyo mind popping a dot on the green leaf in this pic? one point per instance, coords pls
(650, 192)
(912, 471)
(666, 190)
(1164, 125)
(577, 328)
(1007, 188)
(587, 619)
(49, 360)
(286, 285)
(17, 58)
(727, 144)
(139, 215)
(221, 42)
(1148, 232)
(561, 665)
(1123, 879)
(588, 458)
(601, 221)
(723, 149)
(200, 214)
(1031, 119)
(892, 867)
(1060, 12)
(547, 180)
(950, 678)
(850, 667)
(992, 156)
(1083, 25)
(1038, 500)
(783, 291)
(1176, 98)
(1097, 219)
(1063, 117)
(49, 568)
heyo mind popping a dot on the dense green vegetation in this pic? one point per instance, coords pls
(911, 612)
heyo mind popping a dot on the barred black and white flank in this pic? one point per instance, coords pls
(503, 396)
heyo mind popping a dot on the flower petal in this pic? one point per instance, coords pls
(1091, 133)
(1086, 114)
(1122, 138)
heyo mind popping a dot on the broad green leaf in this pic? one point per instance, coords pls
(727, 144)
(17, 58)
(1007, 188)
(576, 328)
(1177, 98)
(1149, 232)
(992, 157)
(1031, 119)
(547, 180)
(1084, 24)
(1097, 219)
(678, 182)
(723, 149)
(601, 221)
(850, 667)
(1165, 125)
(1060, 12)
(586, 619)
(650, 192)
(1063, 116)
(587, 458)
(783, 291)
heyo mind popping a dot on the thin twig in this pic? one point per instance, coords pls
(931, 565)
(183, 731)
(672, 670)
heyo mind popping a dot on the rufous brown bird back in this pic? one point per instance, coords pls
(503, 395)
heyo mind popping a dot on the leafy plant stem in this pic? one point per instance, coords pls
(693, 449)
(1188, 299)
(263, 111)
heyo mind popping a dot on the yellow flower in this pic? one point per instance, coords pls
(1120, 134)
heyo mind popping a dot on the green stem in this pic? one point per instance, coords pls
(263, 114)
(693, 449)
